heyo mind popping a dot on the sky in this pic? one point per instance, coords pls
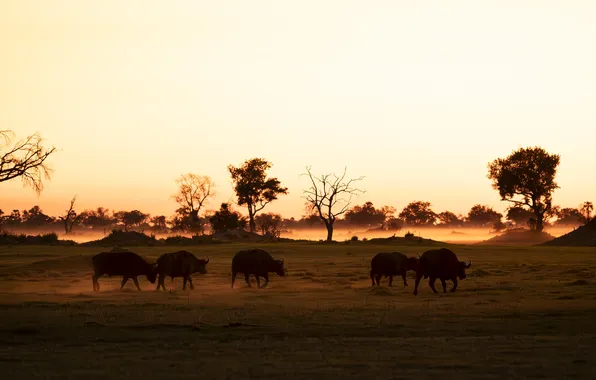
(418, 97)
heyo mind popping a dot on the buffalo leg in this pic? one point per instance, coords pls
(233, 278)
(372, 278)
(184, 280)
(124, 279)
(390, 280)
(258, 280)
(418, 277)
(134, 279)
(160, 283)
(431, 283)
(247, 279)
(404, 277)
(378, 279)
(444, 285)
(266, 277)
(192, 287)
(454, 279)
(95, 283)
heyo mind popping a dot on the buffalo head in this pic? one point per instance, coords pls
(152, 274)
(411, 264)
(462, 269)
(278, 267)
(202, 266)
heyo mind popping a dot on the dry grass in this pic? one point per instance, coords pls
(522, 313)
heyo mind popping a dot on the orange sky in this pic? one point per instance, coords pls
(416, 96)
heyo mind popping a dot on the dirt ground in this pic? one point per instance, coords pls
(522, 313)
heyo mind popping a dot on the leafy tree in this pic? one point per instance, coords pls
(330, 196)
(527, 178)
(226, 219)
(394, 224)
(194, 191)
(99, 218)
(26, 159)
(568, 217)
(270, 224)
(35, 217)
(253, 188)
(159, 222)
(586, 209)
(130, 219)
(14, 219)
(519, 215)
(483, 216)
(365, 215)
(448, 218)
(418, 213)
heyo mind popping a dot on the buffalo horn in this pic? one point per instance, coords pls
(207, 261)
(469, 264)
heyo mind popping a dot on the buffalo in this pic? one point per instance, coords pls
(258, 263)
(442, 264)
(179, 264)
(391, 264)
(126, 264)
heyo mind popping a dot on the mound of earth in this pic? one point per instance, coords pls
(124, 238)
(518, 237)
(410, 240)
(584, 236)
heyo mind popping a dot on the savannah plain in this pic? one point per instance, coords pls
(523, 312)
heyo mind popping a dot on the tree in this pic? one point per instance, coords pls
(519, 215)
(418, 213)
(99, 218)
(130, 219)
(449, 219)
(194, 190)
(159, 222)
(330, 196)
(253, 188)
(70, 219)
(270, 224)
(483, 216)
(35, 217)
(586, 209)
(226, 219)
(365, 215)
(527, 178)
(568, 217)
(26, 159)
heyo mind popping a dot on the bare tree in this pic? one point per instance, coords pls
(70, 219)
(25, 159)
(330, 196)
(194, 190)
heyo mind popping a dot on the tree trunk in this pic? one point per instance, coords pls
(539, 222)
(329, 231)
(251, 216)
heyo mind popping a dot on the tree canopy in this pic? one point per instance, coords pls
(527, 178)
(253, 188)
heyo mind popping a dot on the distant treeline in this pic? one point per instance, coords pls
(364, 217)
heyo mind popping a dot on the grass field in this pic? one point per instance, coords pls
(521, 313)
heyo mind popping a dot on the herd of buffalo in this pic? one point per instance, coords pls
(434, 264)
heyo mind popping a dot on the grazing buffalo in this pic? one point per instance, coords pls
(391, 264)
(442, 264)
(256, 262)
(126, 264)
(179, 264)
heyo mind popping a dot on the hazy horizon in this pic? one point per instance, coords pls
(417, 97)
